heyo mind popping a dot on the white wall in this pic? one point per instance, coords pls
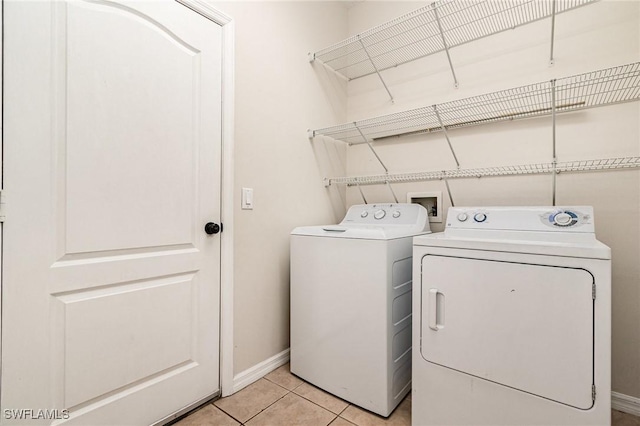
(279, 95)
(600, 35)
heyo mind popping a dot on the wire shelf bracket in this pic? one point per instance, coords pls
(553, 31)
(364, 48)
(446, 184)
(362, 194)
(440, 26)
(386, 170)
(446, 135)
(553, 141)
(434, 5)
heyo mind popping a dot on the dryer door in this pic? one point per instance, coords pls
(526, 326)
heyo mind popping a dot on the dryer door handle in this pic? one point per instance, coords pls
(436, 309)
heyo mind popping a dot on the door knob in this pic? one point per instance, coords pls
(212, 228)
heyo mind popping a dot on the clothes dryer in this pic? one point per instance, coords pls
(512, 321)
(351, 304)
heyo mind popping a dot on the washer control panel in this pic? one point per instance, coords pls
(387, 214)
(569, 219)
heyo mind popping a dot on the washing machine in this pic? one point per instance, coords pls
(351, 304)
(512, 320)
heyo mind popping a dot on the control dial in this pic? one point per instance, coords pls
(480, 217)
(462, 217)
(379, 214)
(564, 218)
(396, 214)
(364, 214)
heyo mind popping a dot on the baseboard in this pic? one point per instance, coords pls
(625, 403)
(258, 371)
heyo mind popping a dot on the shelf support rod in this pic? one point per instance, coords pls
(361, 193)
(446, 183)
(553, 137)
(375, 68)
(446, 135)
(379, 160)
(370, 147)
(392, 193)
(444, 43)
(553, 29)
(553, 116)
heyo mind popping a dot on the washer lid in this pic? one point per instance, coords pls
(375, 222)
(363, 232)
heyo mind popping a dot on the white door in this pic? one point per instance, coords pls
(112, 135)
(525, 326)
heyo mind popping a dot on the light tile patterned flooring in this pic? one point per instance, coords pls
(282, 399)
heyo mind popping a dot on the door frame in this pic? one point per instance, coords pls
(226, 191)
(227, 187)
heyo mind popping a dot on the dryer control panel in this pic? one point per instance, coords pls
(388, 215)
(553, 219)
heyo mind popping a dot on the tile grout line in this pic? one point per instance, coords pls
(265, 408)
(345, 409)
(306, 399)
(345, 419)
(328, 393)
(314, 403)
(348, 421)
(324, 408)
(228, 414)
(258, 413)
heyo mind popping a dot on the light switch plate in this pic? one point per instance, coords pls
(247, 198)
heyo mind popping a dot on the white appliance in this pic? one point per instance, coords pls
(513, 319)
(351, 304)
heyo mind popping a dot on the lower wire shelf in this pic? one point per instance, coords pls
(525, 169)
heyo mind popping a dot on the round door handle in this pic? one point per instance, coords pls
(211, 228)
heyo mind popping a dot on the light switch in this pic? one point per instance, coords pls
(247, 198)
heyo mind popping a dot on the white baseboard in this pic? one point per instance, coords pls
(258, 371)
(625, 403)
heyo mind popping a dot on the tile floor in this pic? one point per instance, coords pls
(282, 399)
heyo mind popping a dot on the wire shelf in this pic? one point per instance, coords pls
(432, 29)
(596, 88)
(526, 169)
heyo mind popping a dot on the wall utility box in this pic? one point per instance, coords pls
(432, 201)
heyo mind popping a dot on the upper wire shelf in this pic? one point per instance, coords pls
(432, 29)
(596, 88)
(524, 169)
